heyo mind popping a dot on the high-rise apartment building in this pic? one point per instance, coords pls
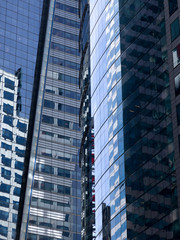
(134, 51)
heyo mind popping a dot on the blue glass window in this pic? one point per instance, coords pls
(9, 84)
(8, 109)
(67, 8)
(4, 215)
(18, 178)
(21, 140)
(3, 231)
(47, 119)
(49, 104)
(5, 173)
(8, 96)
(63, 63)
(6, 146)
(67, 21)
(19, 152)
(4, 202)
(7, 134)
(47, 169)
(15, 205)
(175, 29)
(22, 126)
(14, 218)
(47, 186)
(66, 35)
(13, 233)
(6, 161)
(8, 120)
(5, 188)
(19, 165)
(17, 191)
(173, 6)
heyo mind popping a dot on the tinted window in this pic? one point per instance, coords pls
(9, 84)
(22, 126)
(8, 109)
(47, 119)
(8, 96)
(172, 6)
(8, 120)
(175, 29)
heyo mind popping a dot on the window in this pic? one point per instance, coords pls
(4, 202)
(9, 84)
(63, 189)
(8, 96)
(67, 21)
(47, 186)
(15, 205)
(63, 63)
(65, 49)
(6, 146)
(8, 109)
(19, 152)
(64, 172)
(4, 215)
(8, 120)
(3, 231)
(18, 178)
(5, 188)
(6, 161)
(49, 104)
(173, 5)
(47, 169)
(17, 191)
(19, 165)
(178, 113)
(176, 56)
(14, 218)
(21, 140)
(47, 119)
(66, 35)
(7, 134)
(22, 126)
(175, 29)
(66, 8)
(6, 173)
(177, 84)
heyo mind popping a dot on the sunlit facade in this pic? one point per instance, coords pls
(135, 177)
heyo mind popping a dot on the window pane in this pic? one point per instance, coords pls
(172, 6)
(175, 29)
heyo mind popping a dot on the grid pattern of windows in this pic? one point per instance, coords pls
(19, 37)
(57, 175)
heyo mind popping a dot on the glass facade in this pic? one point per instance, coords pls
(86, 156)
(55, 209)
(135, 177)
(19, 37)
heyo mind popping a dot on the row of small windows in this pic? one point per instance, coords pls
(7, 134)
(75, 190)
(62, 34)
(55, 171)
(61, 107)
(63, 77)
(6, 189)
(66, 8)
(65, 49)
(58, 155)
(63, 139)
(7, 162)
(19, 152)
(66, 21)
(64, 63)
(63, 92)
(32, 236)
(60, 122)
(9, 121)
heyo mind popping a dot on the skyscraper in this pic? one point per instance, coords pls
(40, 133)
(19, 37)
(55, 211)
(133, 46)
(86, 156)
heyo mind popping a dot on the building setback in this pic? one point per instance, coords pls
(134, 52)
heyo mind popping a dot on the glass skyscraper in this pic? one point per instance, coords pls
(55, 209)
(136, 170)
(19, 37)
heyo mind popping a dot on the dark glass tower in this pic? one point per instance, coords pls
(86, 157)
(136, 156)
(19, 37)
